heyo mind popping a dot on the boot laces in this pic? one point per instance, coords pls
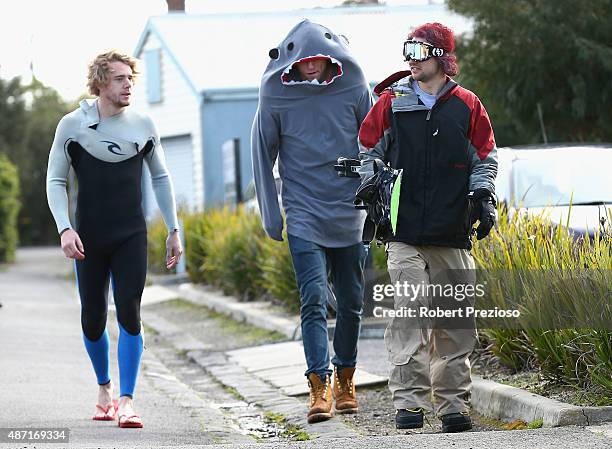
(341, 383)
(318, 391)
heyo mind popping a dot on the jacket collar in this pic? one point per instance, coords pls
(403, 79)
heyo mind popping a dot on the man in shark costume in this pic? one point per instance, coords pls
(313, 98)
(106, 145)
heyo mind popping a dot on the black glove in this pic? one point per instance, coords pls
(482, 208)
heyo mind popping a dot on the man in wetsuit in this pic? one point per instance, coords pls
(106, 144)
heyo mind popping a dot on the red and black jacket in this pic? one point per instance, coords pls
(445, 152)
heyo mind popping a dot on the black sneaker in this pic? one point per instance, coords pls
(456, 422)
(411, 418)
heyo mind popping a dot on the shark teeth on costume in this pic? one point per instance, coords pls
(315, 81)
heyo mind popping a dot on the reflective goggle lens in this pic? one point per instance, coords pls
(416, 51)
(420, 51)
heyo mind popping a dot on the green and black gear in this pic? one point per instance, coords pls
(379, 195)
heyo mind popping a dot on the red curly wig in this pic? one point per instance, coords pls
(440, 36)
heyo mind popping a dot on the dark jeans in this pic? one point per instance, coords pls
(313, 264)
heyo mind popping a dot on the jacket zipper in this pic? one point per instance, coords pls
(427, 168)
(426, 174)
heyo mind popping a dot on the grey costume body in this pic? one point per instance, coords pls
(308, 126)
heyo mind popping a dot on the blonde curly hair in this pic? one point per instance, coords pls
(99, 70)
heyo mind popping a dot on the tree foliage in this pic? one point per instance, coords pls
(28, 118)
(13, 116)
(555, 53)
(9, 208)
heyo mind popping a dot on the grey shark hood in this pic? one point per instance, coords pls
(310, 41)
(307, 126)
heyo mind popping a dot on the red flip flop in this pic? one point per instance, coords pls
(130, 422)
(109, 412)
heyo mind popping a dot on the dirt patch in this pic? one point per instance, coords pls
(376, 416)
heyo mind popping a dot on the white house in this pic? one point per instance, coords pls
(201, 75)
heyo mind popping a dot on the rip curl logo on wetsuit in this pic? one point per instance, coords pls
(112, 147)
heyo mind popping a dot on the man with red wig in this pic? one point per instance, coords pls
(440, 135)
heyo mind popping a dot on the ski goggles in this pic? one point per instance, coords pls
(420, 51)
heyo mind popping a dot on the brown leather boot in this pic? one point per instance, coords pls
(320, 399)
(344, 390)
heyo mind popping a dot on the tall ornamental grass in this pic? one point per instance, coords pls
(157, 232)
(227, 248)
(232, 252)
(530, 263)
(556, 279)
(278, 277)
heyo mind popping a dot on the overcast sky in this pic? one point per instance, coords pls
(62, 36)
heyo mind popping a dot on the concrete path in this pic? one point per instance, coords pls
(283, 366)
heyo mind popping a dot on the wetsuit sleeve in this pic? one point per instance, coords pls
(162, 183)
(57, 175)
(375, 137)
(483, 151)
(264, 151)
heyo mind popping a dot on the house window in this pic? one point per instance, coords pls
(153, 67)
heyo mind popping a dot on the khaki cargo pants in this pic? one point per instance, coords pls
(429, 356)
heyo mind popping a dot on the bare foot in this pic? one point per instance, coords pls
(106, 410)
(126, 413)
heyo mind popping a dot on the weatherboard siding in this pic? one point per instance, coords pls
(177, 114)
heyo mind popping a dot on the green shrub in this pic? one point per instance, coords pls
(9, 209)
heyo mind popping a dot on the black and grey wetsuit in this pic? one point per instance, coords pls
(107, 156)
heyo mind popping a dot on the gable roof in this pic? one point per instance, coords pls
(229, 52)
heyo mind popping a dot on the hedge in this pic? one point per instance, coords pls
(9, 209)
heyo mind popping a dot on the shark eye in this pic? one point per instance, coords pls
(290, 46)
(327, 35)
(273, 53)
